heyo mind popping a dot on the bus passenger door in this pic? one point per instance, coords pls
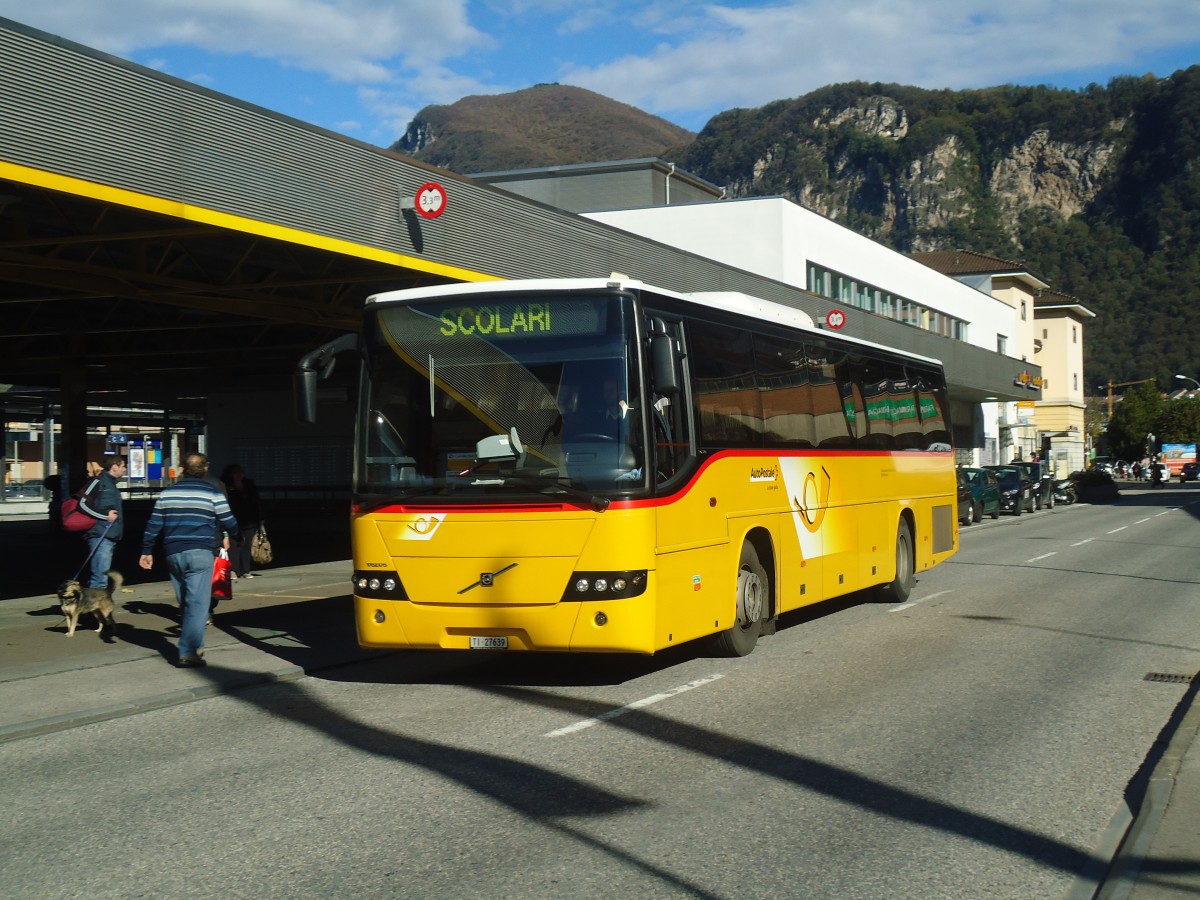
(693, 588)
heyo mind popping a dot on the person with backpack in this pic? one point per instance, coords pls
(101, 499)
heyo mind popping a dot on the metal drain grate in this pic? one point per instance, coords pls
(1168, 678)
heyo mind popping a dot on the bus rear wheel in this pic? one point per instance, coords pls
(901, 586)
(752, 601)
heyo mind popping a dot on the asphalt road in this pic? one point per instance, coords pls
(976, 741)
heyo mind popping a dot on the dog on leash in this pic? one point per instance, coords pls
(77, 600)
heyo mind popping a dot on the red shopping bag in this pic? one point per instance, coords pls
(222, 580)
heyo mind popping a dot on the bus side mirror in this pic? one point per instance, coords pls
(664, 358)
(304, 393)
(304, 381)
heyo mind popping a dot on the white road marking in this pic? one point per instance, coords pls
(1115, 530)
(1084, 541)
(1043, 556)
(636, 704)
(912, 603)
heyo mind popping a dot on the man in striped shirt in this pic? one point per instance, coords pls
(189, 515)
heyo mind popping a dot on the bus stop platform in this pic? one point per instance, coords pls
(279, 626)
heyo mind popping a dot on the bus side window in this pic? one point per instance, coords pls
(832, 427)
(723, 379)
(785, 392)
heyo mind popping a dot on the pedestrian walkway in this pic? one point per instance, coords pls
(279, 626)
(296, 621)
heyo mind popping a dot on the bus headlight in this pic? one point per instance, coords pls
(378, 585)
(605, 585)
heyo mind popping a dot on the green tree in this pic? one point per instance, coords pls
(1180, 421)
(1139, 415)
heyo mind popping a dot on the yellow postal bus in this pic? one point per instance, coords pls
(600, 465)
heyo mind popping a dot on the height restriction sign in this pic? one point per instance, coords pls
(431, 200)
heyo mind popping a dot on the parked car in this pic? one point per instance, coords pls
(1016, 490)
(1043, 482)
(985, 492)
(1190, 471)
(1117, 468)
(966, 503)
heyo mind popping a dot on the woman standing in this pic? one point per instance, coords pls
(243, 501)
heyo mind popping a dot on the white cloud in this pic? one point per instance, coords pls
(739, 55)
(349, 40)
(677, 58)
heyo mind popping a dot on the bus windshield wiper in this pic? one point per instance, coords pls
(548, 485)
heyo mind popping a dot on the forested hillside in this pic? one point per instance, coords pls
(1097, 192)
(545, 125)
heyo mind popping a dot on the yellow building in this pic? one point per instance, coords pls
(1047, 331)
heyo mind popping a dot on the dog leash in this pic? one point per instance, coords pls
(87, 559)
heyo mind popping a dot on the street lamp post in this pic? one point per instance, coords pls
(1191, 379)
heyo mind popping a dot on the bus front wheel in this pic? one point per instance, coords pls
(752, 601)
(901, 586)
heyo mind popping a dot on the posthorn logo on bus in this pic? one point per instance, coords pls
(422, 528)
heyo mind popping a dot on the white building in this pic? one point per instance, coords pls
(982, 301)
(775, 237)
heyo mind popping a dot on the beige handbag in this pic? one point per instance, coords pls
(260, 546)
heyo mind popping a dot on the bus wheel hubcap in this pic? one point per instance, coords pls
(750, 597)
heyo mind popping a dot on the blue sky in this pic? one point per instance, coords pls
(366, 67)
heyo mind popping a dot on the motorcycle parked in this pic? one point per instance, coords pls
(1064, 491)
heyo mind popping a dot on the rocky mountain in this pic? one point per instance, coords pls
(545, 125)
(1097, 191)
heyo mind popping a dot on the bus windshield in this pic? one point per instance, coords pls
(554, 378)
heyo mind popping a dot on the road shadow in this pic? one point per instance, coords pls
(309, 633)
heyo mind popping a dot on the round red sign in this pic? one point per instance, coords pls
(431, 200)
(835, 319)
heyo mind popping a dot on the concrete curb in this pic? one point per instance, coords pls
(65, 721)
(1136, 848)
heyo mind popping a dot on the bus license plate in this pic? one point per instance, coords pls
(489, 642)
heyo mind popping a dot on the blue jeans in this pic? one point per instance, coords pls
(101, 561)
(191, 575)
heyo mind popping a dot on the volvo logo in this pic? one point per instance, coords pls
(487, 579)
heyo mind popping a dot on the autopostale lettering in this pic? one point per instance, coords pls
(515, 319)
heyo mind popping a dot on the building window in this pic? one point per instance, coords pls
(1023, 316)
(844, 289)
(1075, 382)
(1002, 344)
(1074, 335)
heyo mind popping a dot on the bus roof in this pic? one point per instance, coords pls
(733, 301)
